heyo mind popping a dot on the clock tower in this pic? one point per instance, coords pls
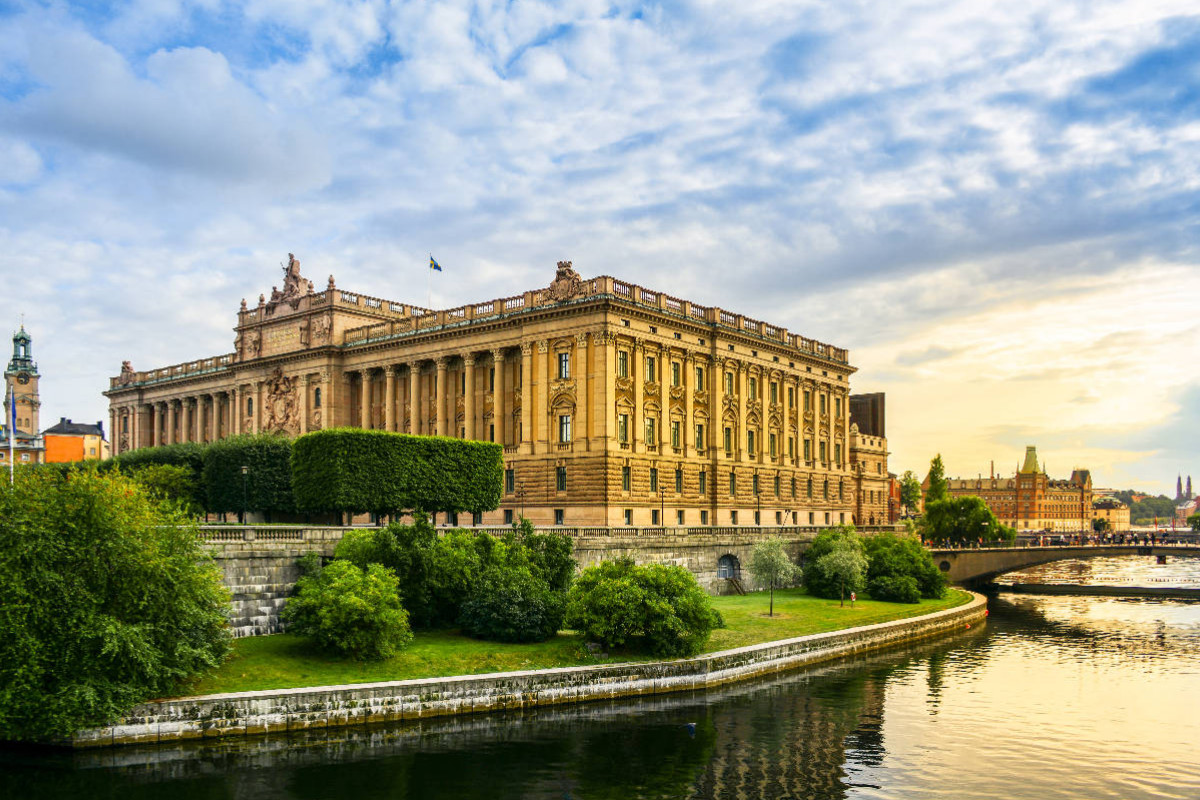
(21, 379)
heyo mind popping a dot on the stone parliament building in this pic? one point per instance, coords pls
(616, 405)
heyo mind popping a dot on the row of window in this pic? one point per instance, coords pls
(560, 483)
(781, 517)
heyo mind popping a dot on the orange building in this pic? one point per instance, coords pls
(72, 441)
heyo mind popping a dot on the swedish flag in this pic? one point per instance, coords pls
(433, 264)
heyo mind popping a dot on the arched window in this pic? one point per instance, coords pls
(317, 397)
(728, 567)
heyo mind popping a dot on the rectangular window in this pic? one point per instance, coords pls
(729, 383)
(703, 483)
(771, 442)
(651, 370)
(777, 485)
(791, 447)
(654, 517)
(560, 479)
(728, 440)
(564, 365)
(774, 393)
(462, 382)
(758, 518)
(837, 454)
(675, 433)
(824, 400)
(678, 481)
(750, 442)
(651, 430)
(653, 479)
(510, 480)
(559, 516)
(625, 479)
(838, 406)
(676, 373)
(732, 484)
(754, 484)
(492, 379)
(807, 400)
(508, 516)
(733, 517)
(753, 389)
(623, 428)
(778, 517)
(811, 518)
(823, 459)
(791, 397)
(564, 428)
(622, 364)
(810, 490)
(808, 449)
(629, 516)
(703, 516)
(699, 378)
(699, 437)
(476, 517)
(679, 517)
(491, 433)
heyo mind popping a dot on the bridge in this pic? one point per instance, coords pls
(978, 566)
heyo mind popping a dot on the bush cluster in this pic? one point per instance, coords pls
(892, 568)
(106, 600)
(349, 469)
(655, 608)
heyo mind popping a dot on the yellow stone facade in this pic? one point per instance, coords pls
(616, 404)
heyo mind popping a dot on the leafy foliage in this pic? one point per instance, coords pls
(655, 608)
(187, 455)
(818, 579)
(771, 565)
(845, 565)
(1194, 521)
(963, 520)
(510, 604)
(939, 487)
(348, 469)
(268, 481)
(903, 556)
(106, 600)
(172, 483)
(910, 492)
(894, 589)
(350, 611)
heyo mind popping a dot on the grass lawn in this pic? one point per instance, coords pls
(284, 661)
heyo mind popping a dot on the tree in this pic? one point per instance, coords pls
(770, 565)
(910, 492)
(963, 520)
(655, 608)
(1100, 524)
(846, 565)
(350, 611)
(818, 582)
(939, 487)
(891, 556)
(107, 599)
(1194, 521)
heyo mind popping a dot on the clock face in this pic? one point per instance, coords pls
(23, 378)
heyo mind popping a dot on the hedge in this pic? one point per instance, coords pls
(185, 454)
(268, 484)
(354, 470)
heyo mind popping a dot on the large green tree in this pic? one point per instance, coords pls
(818, 578)
(846, 565)
(771, 565)
(1194, 521)
(963, 520)
(910, 492)
(892, 557)
(106, 600)
(939, 487)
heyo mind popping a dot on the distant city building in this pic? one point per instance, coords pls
(1113, 510)
(75, 441)
(1181, 493)
(615, 404)
(21, 385)
(1186, 509)
(1031, 500)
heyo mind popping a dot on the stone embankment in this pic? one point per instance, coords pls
(250, 713)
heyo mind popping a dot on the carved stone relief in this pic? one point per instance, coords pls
(281, 404)
(566, 284)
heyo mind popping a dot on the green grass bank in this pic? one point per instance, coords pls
(283, 661)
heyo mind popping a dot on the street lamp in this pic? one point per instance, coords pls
(245, 492)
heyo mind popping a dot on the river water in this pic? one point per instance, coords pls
(1056, 697)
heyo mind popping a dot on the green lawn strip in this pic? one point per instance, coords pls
(283, 661)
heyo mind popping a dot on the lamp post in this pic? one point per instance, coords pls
(245, 493)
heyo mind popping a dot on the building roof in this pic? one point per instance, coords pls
(1030, 467)
(66, 427)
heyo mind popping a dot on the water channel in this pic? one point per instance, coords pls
(1056, 697)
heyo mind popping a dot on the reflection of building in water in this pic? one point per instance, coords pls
(789, 741)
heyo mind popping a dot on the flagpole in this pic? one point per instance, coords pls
(429, 282)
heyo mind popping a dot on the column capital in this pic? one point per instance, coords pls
(526, 348)
(390, 370)
(543, 345)
(498, 355)
(441, 362)
(581, 338)
(468, 359)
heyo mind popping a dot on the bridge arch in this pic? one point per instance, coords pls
(979, 566)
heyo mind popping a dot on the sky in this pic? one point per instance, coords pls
(994, 207)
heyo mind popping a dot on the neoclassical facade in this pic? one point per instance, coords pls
(616, 404)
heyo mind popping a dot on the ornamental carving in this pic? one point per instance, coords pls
(700, 399)
(315, 424)
(282, 404)
(562, 392)
(677, 397)
(489, 405)
(295, 286)
(124, 442)
(254, 344)
(566, 284)
(460, 408)
(625, 389)
(651, 389)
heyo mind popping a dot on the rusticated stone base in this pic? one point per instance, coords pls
(249, 713)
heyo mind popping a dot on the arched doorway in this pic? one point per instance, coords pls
(728, 566)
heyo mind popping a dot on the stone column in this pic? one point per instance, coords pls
(305, 398)
(583, 395)
(364, 400)
(716, 408)
(257, 417)
(687, 438)
(637, 371)
(469, 394)
(389, 398)
(414, 397)
(235, 410)
(743, 390)
(327, 402)
(527, 432)
(498, 412)
(664, 406)
(114, 435)
(200, 419)
(170, 438)
(608, 343)
(541, 397)
(439, 395)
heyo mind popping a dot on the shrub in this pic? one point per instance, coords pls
(267, 483)
(894, 589)
(106, 600)
(348, 469)
(818, 579)
(188, 455)
(892, 555)
(963, 520)
(511, 604)
(172, 483)
(349, 611)
(655, 608)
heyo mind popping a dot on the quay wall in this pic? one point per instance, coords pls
(276, 711)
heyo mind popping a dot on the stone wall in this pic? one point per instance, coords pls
(250, 713)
